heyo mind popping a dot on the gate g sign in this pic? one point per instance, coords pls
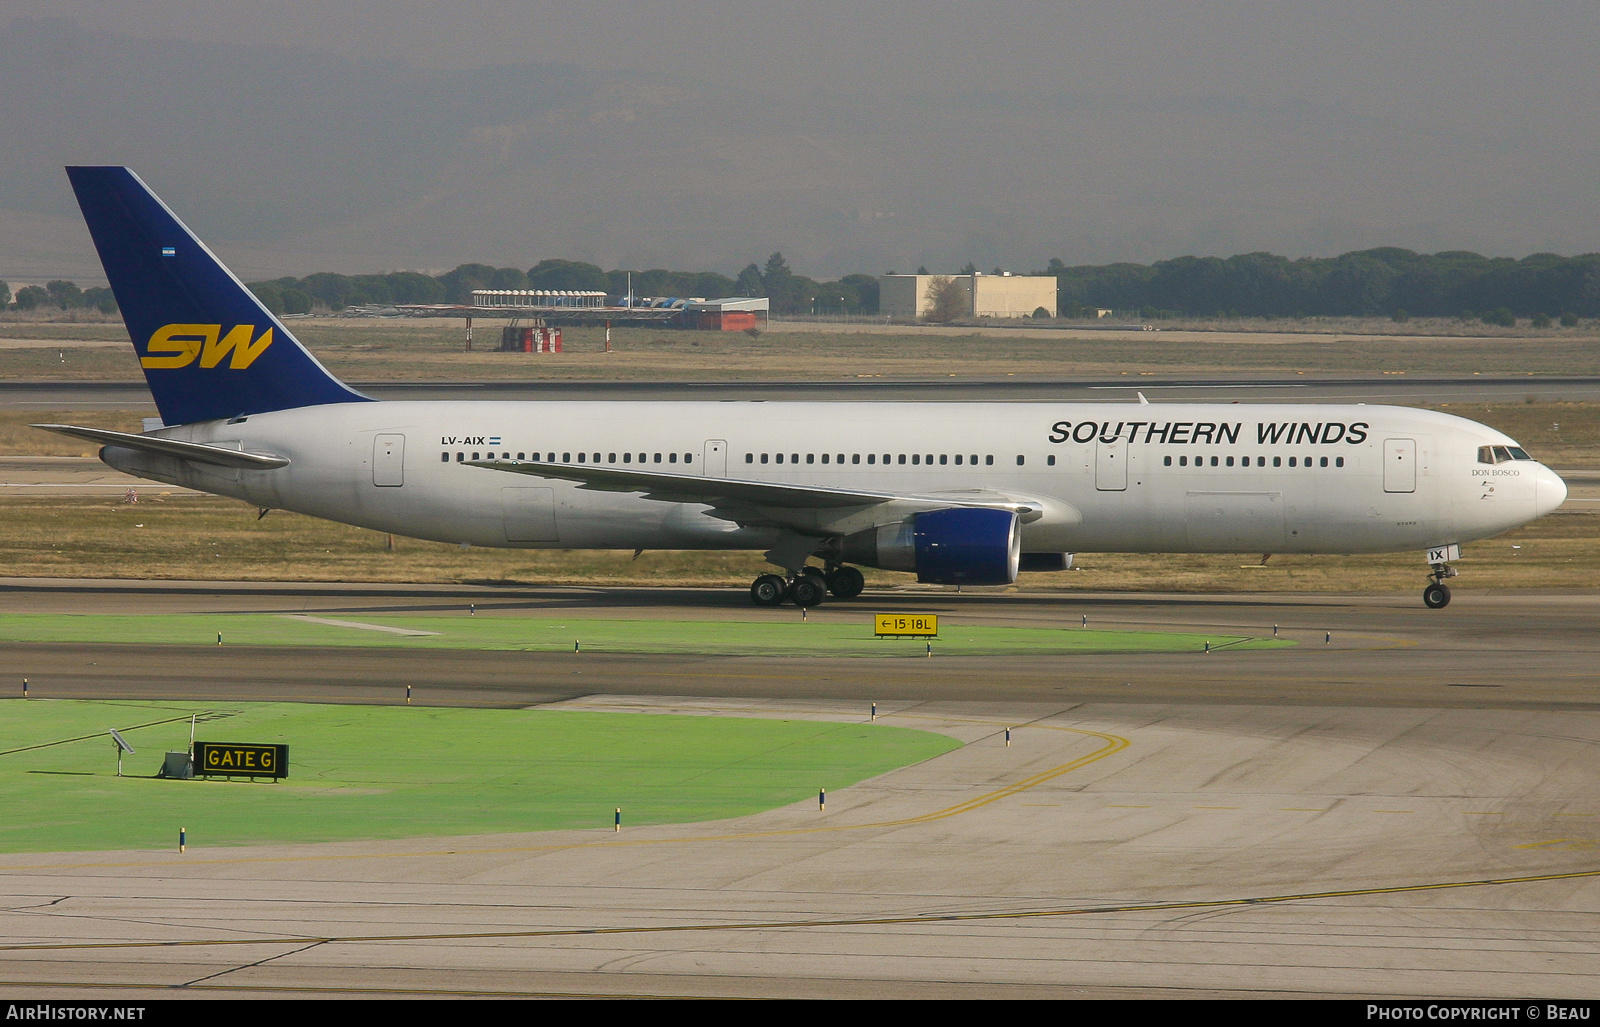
(237, 759)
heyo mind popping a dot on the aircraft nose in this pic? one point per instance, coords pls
(1549, 491)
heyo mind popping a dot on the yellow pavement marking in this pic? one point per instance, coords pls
(1572, 843)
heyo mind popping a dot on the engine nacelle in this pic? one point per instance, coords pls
(961, 546)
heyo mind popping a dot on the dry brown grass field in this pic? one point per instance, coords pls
(401, 350)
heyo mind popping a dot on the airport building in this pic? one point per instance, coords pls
(910, 297)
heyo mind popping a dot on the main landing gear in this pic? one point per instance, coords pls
(1437, 595)
(807, 588)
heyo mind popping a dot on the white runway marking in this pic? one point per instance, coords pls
(355, 624)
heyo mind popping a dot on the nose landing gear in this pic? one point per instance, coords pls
(1437, 595)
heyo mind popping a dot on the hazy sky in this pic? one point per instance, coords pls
(1301, 126)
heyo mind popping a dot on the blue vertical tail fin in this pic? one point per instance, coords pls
(208, 347)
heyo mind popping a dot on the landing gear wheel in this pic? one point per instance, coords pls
(768, 590)
(814, 572)
(846, 583)
(1436, 596)
(808, 590)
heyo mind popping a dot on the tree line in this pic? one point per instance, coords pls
(58, 295)
(1388, 281)
(788, 292)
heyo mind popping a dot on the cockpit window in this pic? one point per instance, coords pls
(1501, 454)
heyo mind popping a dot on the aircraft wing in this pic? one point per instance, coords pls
(735, 494)
(196, 451)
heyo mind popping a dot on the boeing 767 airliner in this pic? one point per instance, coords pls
(957, 493)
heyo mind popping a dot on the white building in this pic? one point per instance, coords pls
(910, 297)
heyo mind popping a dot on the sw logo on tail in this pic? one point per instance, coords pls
(181, 343)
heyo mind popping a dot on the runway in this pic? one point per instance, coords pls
(1407, 809)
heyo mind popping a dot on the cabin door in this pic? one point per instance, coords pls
(716, 458)
(1399, 465)
(1111, 465)
(388, 460)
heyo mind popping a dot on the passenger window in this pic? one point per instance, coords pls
(627, 458)
(672, 458)
(1230, 461)
(688, 458)
(1323, 462)
(779, 458)
(444, 457)
(811, 458)
(1050, 460)
(520, 456)
(749, 458)
(1213, 461)
(474, 456)
(1277, 461)
(658, 459)
(916, 458)
(1338, 461)
(855, 458)
(1183, 461)
(763, 458)
(1166, 461)
(988, 461)
(566, 458)
(958, 459)
(902, 458)
(943, 459)
(581, 456)
(1019, 459)
(824, 458)
(1291, 461)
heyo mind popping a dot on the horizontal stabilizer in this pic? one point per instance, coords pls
(195, 451)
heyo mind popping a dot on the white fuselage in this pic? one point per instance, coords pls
(1113, 477)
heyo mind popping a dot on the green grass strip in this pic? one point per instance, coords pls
(781, 635)
(366, 772)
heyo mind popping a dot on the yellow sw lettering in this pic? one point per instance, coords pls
(237, 341)
(178, 345)
(181, 342)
